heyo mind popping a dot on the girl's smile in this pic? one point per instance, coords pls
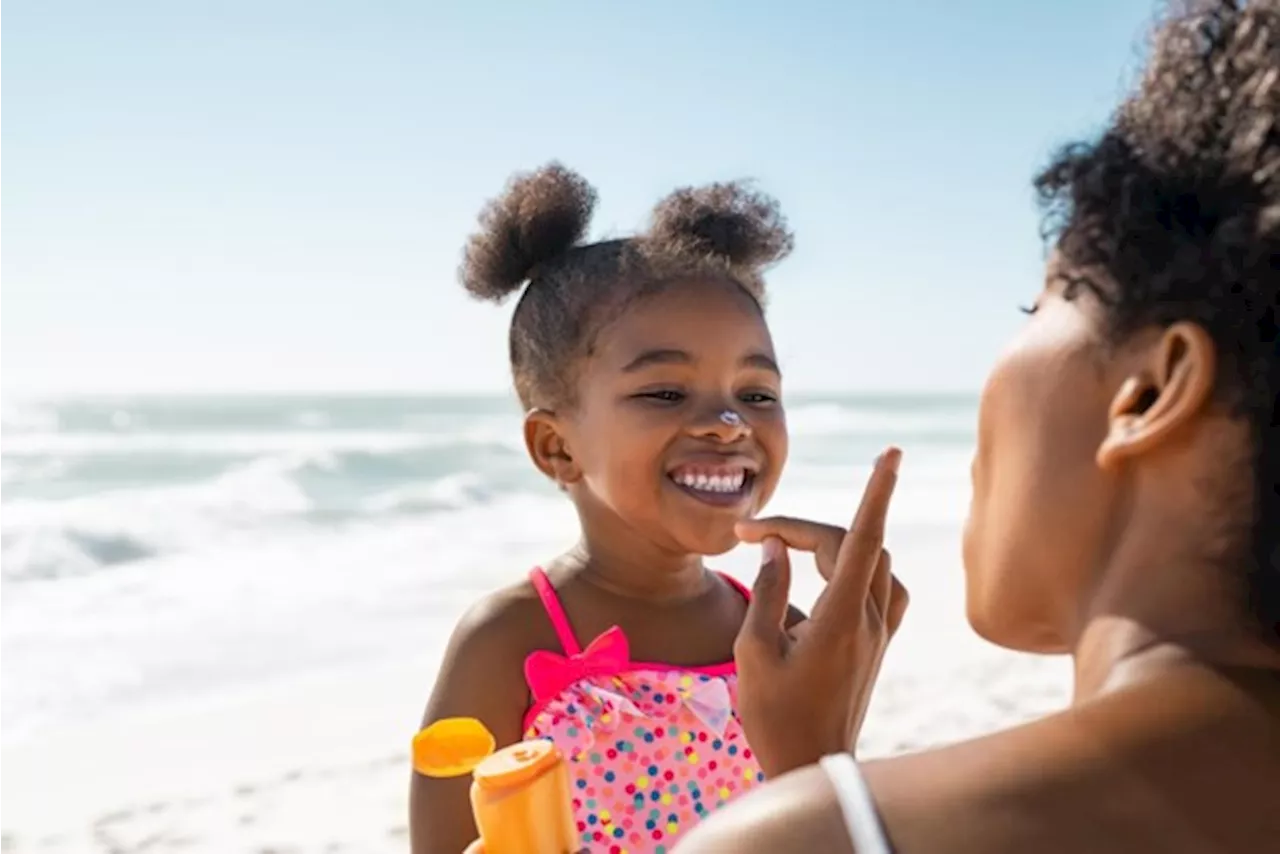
(718, 480)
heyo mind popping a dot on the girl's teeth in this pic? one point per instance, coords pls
(713, 483)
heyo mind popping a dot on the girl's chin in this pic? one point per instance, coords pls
(716, 546)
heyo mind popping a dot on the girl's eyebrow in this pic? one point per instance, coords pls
(681, 357)
(762, 361)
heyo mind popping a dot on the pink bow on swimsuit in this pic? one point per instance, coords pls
(548, 673)
(710, 701)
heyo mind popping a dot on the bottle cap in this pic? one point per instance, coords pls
(451, 747)
(517, 764)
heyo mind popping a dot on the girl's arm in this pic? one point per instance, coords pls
(481, 677)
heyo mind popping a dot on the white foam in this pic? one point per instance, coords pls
(28, 417)
(257, 606)
(46, 538)
(451, 492)
(273, 442)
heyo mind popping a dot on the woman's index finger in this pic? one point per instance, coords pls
(846, 593)
(867, 529)
(799, 534)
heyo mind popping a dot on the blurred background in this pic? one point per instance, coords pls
(258, 448)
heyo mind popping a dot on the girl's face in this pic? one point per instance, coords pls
(679, 432)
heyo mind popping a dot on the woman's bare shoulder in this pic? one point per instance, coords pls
(1189, 764)
(795, 812)
(939, 801)
(1184, 763)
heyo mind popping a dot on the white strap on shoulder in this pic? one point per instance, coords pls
(856, 804)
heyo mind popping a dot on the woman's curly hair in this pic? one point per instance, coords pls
(533, 235)
(1173, 214)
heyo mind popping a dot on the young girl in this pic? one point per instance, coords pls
(653, 399)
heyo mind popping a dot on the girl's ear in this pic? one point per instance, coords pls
(548, 447)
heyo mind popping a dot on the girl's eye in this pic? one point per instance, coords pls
(1032, 310)
(664, 396)
(759, 398)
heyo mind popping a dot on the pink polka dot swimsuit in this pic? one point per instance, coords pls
(651, 748)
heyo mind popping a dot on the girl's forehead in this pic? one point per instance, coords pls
(683, 304)
(698, 323)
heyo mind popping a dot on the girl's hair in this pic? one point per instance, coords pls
(1173, 214)
(533, 234)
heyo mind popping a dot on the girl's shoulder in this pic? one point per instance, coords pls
(503, 627)
(481, 673)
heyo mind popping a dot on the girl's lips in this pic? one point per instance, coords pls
(714, 465)
(711, 479)
(730, 489)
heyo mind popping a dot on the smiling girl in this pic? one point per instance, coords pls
(653, 399)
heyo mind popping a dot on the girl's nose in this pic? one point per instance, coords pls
(722, 423)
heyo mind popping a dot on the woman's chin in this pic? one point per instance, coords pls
(1011, 629)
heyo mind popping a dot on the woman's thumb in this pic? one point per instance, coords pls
(767, 611)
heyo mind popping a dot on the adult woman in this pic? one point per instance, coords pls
(1128, 464)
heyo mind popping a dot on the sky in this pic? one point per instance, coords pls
(273, 195)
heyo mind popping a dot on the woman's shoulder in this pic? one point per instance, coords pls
(1187, 762)
(799, 811)
(1190, 763)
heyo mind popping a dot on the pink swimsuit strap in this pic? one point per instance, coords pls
(652, 747)
(560, 620)
(555, 611)
(549, 673)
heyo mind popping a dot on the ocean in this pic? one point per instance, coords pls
(160, 549)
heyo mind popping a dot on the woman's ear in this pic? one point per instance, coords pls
(549, 448)
(1171, 386)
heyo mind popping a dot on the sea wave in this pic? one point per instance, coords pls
(79, 444)
(171, 547)
(45, 539)
(448, 493)
(77, 502)
(28, 418)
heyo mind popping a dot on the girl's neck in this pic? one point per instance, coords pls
(635, 570)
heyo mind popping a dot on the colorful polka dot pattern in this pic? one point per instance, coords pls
(645, 765)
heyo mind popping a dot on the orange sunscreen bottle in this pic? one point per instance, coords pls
(519, 795)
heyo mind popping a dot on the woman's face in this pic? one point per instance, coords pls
(1041, 503)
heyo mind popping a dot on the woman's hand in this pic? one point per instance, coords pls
(803, 691)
